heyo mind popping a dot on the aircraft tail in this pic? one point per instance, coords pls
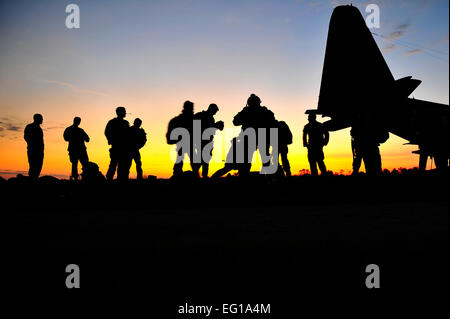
(355, 74)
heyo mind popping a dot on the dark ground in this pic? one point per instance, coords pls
(231, 241)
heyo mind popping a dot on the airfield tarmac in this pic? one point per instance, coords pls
(245, 240)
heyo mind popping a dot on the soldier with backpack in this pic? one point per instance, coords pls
(254, 116)
(138, 138)
(116, 133)
(76, 137)
(207, 122)
(284, 139)
(182, 121)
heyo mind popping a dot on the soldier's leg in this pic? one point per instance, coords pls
(249, 151)
(33, 162)
(195, 167)
(112, 164)
(322, 167)
(74, 161)
(30, 163)
(178, 166)
(124, 164)
(227, 168)
(312, 164)
(372, 160)
(369, 163)
(285, 163)
(84, 159)
(320, 161)
(357, 159)
(123, 169)
(377, 160)
(205, 164)
(137, 160)
(244, 168)
(38, 160)
(423, 158)
(441, 161)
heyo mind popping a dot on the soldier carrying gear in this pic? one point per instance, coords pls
(184, 120)
(207, 121)
(284, 139)
(138, 138)
(76, 137)
(255, 116)
(315, 137)
(116, 132)
(34, 137)
(366, 139)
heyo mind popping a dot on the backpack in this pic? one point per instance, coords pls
(173, 124)
(285, 133)
(91, 173)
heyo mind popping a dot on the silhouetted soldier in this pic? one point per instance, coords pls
(231, 161)
(116, 132)
(255, 116)
(432, 144)
(367, 138)
(284, 139)
(207, 121)
(138, 138)
(34, 137)
(184, 120)
(76, 137)
(315, 137)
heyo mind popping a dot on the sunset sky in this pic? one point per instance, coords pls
(151, 56)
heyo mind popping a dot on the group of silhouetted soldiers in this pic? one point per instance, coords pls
(126, 141)
(125, 144)
(253, 116)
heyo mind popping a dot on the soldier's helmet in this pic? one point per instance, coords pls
(253, 100)
(137, 122)
(213, 108)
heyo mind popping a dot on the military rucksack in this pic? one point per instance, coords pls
(173, 124)
(285, 133)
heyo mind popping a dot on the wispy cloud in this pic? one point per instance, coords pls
(398, 32)
(389, 48)
(58, 127)
(9, 125)
(429, 49)
(413, 51)
(75, 88)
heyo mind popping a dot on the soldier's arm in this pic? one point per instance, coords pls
(26, 134)
(108, 132)
(305, 136)
(219, 125)
(144, 137)
(66, 135)
(237, 120)
(326, 137)
(85, 136)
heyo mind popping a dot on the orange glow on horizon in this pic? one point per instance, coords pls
(156, 153)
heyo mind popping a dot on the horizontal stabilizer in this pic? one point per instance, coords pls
(405, 86)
